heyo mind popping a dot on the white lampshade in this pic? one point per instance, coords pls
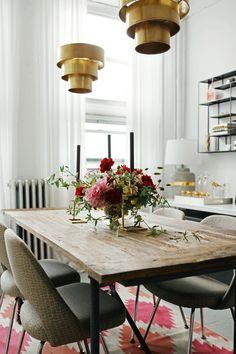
(181, 152)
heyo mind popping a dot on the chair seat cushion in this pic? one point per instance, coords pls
(77, 297)
(195, 291)
(59, 272)
(8, 284)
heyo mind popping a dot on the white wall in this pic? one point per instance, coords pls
(211, 50)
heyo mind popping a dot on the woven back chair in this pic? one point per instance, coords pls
(3, 253)
(58, 316)
(58, 272)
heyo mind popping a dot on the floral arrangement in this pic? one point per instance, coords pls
(118, 192)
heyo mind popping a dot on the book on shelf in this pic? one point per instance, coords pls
(224, 126)
(223, 132)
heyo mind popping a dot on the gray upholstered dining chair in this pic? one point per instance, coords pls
(213, 290)
(170, 212)
(58, 272)
(55, 315)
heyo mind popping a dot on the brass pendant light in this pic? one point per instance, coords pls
(152, 22)
(80, 63)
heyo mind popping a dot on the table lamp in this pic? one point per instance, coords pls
(181, 152)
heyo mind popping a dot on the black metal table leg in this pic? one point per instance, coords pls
(142, 342)
(94, 319)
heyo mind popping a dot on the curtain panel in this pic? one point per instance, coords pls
(41, 122)
(156, 103)
(8, 95)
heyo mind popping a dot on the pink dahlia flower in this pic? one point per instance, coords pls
(95, 195)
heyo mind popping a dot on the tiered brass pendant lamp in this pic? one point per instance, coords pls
(80, 63)
(152, 22)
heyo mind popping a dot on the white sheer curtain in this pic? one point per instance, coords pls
(145, 109)
(48, 120)
(157, 104)
(7, 96)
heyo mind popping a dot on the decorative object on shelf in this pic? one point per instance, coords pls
(223, 129)
(80, 63)
(195, 194)
(208, 192)
(152, 22)
(213, 94)
(202, 200)
(117, 192)
(218, 189)
(181, 152)
(217, 112)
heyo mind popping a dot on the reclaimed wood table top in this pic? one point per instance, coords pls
(135, 255)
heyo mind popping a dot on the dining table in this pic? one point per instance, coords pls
(164, 248)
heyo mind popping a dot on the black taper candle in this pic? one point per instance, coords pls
(131, 151)
(78, 162)
(109, 145)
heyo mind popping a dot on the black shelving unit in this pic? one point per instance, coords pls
(222, 100)
(217, 117)
(225, 115)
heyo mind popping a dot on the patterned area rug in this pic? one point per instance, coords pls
(167, 335)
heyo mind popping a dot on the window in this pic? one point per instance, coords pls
(106, 105)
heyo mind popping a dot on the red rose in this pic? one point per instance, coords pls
(137, 171)
(113, 196)
(79, 191)
(106, 164)
(122, 169)
(147, 181)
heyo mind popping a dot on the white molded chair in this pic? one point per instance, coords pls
(170, 212)
(214, 290)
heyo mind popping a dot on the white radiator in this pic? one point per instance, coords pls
(31, 194)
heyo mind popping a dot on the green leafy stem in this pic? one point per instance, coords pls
(157, 230)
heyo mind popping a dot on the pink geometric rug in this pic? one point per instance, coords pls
(167, 335)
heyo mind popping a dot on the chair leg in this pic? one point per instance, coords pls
(104, 344)
(202, 324)
(81, 350)
(19, 304)
(20, 342)
(154, 300)
(86, 346)
(183, 317)
(151, 318)
(189, 350)
(232, 313)
(135, 312)
(40, 348)
(1, 300)
(10, 326)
